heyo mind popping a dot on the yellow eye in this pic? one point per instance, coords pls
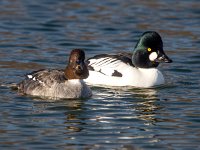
(149, 49)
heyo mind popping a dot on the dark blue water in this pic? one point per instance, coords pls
(41, 33)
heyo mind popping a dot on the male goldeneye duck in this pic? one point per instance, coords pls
(67, 83)
(138, 70)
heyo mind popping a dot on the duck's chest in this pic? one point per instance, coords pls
(143, 77)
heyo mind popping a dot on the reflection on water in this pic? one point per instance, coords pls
(40, 34)
(148, 104)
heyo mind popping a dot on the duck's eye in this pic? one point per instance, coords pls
(149, 49)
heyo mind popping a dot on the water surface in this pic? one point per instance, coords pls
(41, 33)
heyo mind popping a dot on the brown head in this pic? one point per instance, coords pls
(76, 68)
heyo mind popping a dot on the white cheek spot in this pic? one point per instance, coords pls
(153, 56)
(34, 79)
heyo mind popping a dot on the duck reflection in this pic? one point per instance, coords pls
(147, 104)
(116, 115)
(72, 123)
(66, 112)
(143, 103)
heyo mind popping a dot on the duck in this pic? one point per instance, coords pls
(139, 69)
(59, 83)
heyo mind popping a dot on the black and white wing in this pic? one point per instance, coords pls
(110, 65)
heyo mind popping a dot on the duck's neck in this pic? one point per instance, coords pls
(71, 73)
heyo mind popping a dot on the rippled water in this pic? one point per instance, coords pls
(41, 33)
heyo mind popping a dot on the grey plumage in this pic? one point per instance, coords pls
(53, 83)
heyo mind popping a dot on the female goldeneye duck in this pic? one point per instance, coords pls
(67, 83)
(138, 70)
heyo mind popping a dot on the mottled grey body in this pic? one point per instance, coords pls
(53, 84)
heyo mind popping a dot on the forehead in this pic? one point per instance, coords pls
(77, 54)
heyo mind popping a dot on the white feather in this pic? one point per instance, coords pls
(131, 76)
(153, 56)
(29, 76)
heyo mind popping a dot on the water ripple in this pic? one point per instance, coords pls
(40, 34)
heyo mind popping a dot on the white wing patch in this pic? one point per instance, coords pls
(29, 76)
(107, 65)
(35, 79)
